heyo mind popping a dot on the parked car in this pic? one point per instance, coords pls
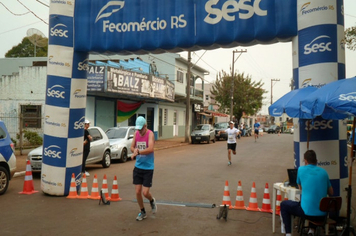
(265, 128)
(99, 151)
(7, 158)
(221, 126)
(274, 129)
(120, 142)
(203, 133)
(291, 130)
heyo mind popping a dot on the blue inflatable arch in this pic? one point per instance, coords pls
(80, 27)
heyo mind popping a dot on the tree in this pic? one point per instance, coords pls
(248, 94)
(350, 38)
(27, 49)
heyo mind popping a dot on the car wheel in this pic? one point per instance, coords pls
(4, 180)
(123, 157)
(208, 140)
(106, 162)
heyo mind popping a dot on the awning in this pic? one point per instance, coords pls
(204, 114)
(219, 114)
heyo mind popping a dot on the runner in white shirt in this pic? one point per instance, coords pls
(232, 132)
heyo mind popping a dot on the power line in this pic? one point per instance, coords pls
(20, 27)
(21, 14)
(42, 3)
(32, 12)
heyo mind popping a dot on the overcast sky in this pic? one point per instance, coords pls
(261, 62)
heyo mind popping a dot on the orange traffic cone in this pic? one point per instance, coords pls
(104, 188)
(84, 189)
(115, 191)
(240, 204)
(95, 189)
(266, 202)
(73, 188)
(278, 202)
(226, 198)
(252, 205)
(28, 184)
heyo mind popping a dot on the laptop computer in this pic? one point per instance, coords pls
(292, 175)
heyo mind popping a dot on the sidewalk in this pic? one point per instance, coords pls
(159, 145)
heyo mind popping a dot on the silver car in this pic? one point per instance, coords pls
(99, 151)
(203, 133)
(120, 142)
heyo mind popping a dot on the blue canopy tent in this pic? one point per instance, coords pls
(290, 104)
(336, 99)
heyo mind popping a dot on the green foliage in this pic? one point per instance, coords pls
(248, 94)
(33, 138)
(26, 49)
(350, 38)
(14, 141)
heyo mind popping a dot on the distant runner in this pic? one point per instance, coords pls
(232, 132)
(257, 127)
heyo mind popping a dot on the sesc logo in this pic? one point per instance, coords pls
(80, 123)
(55, 91)
(319, 44)
(53, 151)
(83, 65)
(274, 112)
(111, 7)
(58, 31)
(351, 97)
(229, 8)
(324, 124)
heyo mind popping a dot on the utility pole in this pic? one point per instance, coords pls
(187, 105)
(233, 79)
(272, 80)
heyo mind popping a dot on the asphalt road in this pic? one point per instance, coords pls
(193, 176)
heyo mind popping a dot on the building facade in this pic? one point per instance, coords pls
(110, 100)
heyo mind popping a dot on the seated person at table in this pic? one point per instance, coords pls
(314, 183)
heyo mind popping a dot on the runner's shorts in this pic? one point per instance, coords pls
(231, 146)
(256, 131)
(142, 177)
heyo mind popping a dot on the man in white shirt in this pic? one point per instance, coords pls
(232, 132)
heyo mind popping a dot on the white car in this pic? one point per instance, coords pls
(203, 133)
(99, 151)
(120, 142)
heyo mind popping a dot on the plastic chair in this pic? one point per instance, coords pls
(328, 205)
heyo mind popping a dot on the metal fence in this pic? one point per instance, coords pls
(14, 125)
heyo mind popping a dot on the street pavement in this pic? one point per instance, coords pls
(188, 181)
(159, 145)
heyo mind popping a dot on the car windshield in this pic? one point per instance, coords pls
(202, 127)
(116, 133)
(273, 126)
(220, 126)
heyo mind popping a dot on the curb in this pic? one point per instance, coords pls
(22, 173)
(18, 174)
(172, 146)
